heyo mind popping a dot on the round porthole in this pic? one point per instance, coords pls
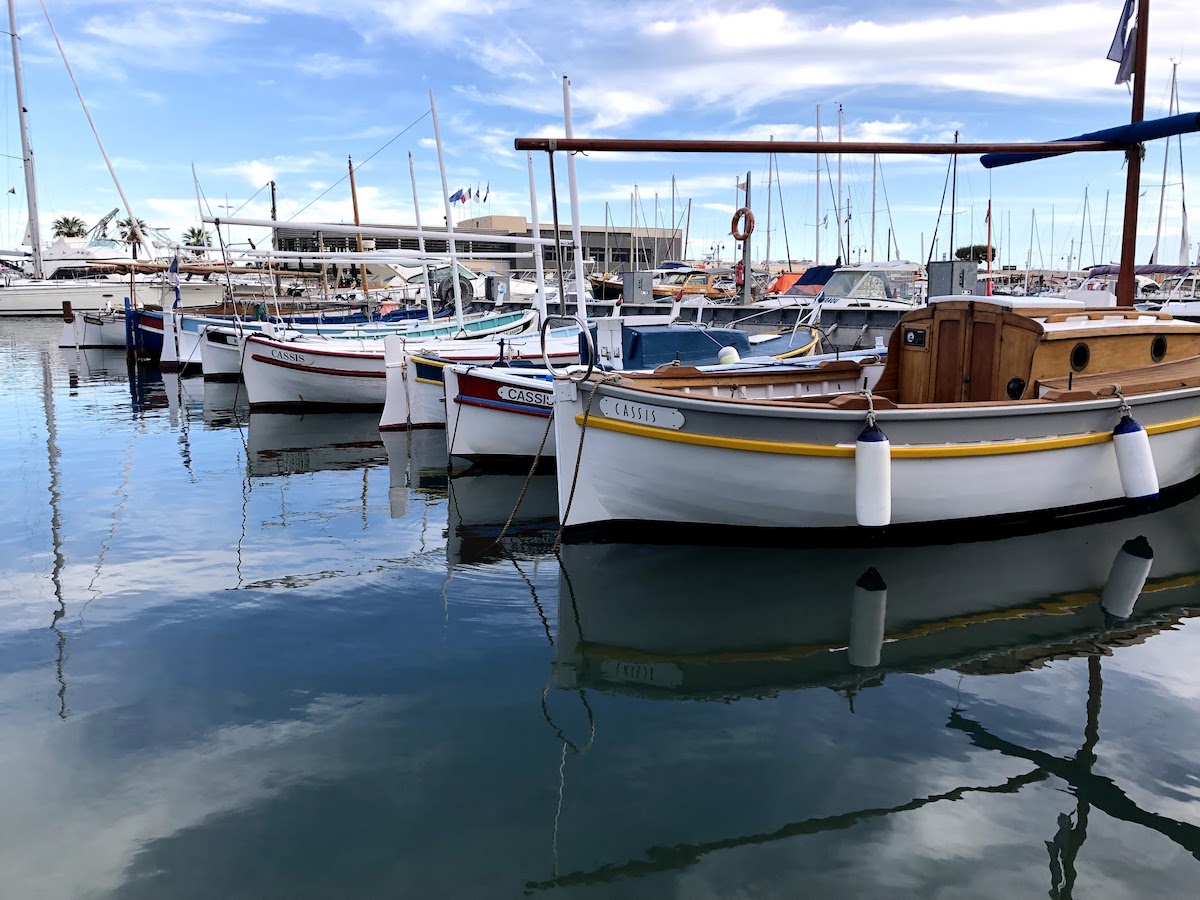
(1079, 357)
(1015, 388)
(1158, 348)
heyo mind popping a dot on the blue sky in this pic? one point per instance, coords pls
(249, 90)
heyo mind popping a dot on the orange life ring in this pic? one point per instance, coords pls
(743, 213)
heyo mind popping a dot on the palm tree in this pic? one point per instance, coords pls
(131, 232)
(69, 226)
(197, 237)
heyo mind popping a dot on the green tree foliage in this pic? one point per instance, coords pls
(69, 226)
(130, 231)
(196, 237)
(974, 253)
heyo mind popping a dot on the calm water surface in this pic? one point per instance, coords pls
(271, 656)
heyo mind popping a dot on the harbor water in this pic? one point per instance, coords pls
(258, 656)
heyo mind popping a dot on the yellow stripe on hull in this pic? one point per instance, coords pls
(934, 451)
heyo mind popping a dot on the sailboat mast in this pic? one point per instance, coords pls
(362, 266)
(412, 177)
(1083, 221)
(1133, 160)
(874, 167)
(1162, 194)
(1184, 240)
(687, 227)
(843, 253)
(770, 161)
(817, 221)
(35, 230)
(671, 240)
(607, 268)
(953, 198)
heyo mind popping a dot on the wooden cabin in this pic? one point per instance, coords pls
(956, 351)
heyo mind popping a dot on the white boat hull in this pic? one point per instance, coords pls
(494, 415)
(331, 374)
(221, 353)
(46, 298)
(646, 461)
(416, 393)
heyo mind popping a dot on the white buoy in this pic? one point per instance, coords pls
(1126, 579)
(727, 356)
(867, 614)
(1135, 462)
(873, 477)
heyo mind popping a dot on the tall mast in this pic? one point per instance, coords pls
(576, 229)
(35, 229)
(1162, 194)
(275, 239)
(874, 167)
(1082, 222)
(687, 227)
(362, 266)
(1133, 159)
(607, 269)
(953, 198)
(770, 160)
(656, 229)
(412, 177)
(451, 245)
(671, 240)
(845, 254)
(817, 226)
(746, 279)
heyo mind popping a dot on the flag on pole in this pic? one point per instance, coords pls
(466, 196)
(1121, 49)
(456, 196)
(487, 191)
(173, 280)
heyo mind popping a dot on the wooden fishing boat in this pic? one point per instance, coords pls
(628, 343)
(337, 373)
(499, 416)
(988, 415)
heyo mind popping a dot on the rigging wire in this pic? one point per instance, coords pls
(941, 206)
(358, 166)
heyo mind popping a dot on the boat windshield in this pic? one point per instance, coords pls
(1182, 287)
(873, 284)
(439, 273)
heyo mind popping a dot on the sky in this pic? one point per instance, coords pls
(247, 91)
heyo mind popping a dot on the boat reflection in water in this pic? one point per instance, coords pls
(485, 523)
(225, 404)
(288, 444)
(745, 620)
(727, 624)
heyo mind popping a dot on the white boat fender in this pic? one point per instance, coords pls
(728, 355)
(867, 616)
(872, 474)
(1126, 580)
(1135, 462)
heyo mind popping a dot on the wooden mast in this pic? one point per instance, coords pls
(1133, 157)
(354, 202)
